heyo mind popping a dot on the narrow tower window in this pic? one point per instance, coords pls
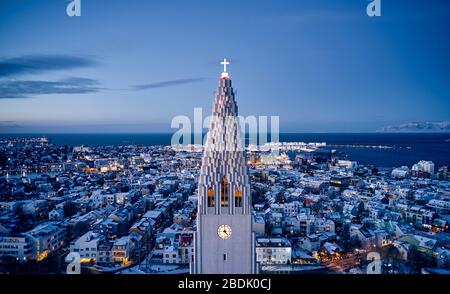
(210, 197)
(224, 192)
(238, 198)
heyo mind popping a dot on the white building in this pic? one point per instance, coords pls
(10, 206)
(291, 208)
(400, 172)
(56, 214)
(259, 224)
(87, 245)
(104, 253)
(35, 207)
(442, 206)
(306, 224)
(122, 250)
(121, 198)
(322, 225)
(424, 166)
(110, 198)
(180, 251)
(273, 251)
(20, 248)
(48, 238)
(418, 216)
(310, 243)
(180, 218)
(347, 164)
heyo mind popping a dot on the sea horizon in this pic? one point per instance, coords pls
(167, 132)
(404, 148)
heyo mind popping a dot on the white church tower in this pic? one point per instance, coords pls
(224, 242)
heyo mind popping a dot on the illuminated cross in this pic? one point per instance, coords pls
(225, 63)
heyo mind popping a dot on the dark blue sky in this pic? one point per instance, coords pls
(321, 65)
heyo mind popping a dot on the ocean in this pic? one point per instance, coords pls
(405, 148)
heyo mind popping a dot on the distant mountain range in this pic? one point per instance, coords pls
(432, 127)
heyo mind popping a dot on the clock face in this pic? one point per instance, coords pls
(224, 232)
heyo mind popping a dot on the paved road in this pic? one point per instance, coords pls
(346, 263)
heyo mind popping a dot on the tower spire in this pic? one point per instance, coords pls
(225, 62)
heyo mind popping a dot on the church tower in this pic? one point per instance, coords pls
(224, 242)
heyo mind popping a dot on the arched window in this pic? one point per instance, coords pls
(210, 197)
(238, 198)
(224, 192)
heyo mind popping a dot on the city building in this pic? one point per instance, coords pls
(273, 251)
(122, 250)
(87, 246)
(180, 251)
(423, 169)
(48, 238)
(104, 253)
(20, 248)
(400, 172)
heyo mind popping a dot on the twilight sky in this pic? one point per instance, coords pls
(131, 66)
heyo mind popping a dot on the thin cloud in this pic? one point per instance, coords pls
(32, 64)
(9, 124)
(311, 17)
(165, 84)
(27, 89)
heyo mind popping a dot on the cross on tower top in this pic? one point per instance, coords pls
(224, 63)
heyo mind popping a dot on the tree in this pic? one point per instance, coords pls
(355, 242)
(418, 259)
(3, 159)
(281, 197)
(392, 253)
(361, 209)
(345, 236)
(258, 195)
(70, 209)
